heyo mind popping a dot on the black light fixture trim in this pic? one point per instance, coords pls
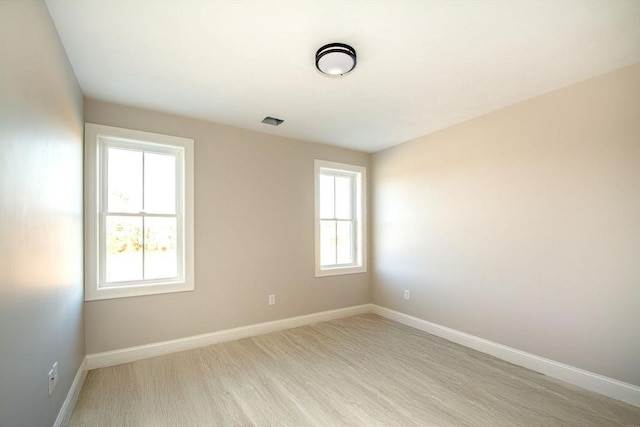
(336, 48)
(272, 121)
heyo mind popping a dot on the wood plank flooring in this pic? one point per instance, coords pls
(360, 371)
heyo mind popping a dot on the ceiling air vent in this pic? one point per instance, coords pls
(272, 121)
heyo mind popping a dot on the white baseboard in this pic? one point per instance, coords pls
(606, 386)
(64, 416)
(131, 354)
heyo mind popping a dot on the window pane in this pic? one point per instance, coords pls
(344, 244)
(124, 180)
(327, 242)
(326, 196)
(123, 241)
(159, 183)
(160, 248)
(344, 188)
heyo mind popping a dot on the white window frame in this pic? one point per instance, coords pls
(97, 138)
(359, 203)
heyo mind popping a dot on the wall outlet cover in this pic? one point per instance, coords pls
(52, 377)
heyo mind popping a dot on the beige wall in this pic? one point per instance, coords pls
(523, 226)
(254, 236)
(41, 291)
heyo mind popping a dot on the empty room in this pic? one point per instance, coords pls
(319, 213)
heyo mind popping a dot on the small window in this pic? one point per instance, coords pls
(340, 218)
(139, 213)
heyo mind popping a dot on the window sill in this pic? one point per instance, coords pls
(340, 271)
(135, 291)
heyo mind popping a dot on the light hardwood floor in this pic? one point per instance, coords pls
(360, 371)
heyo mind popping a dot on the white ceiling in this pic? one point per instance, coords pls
(422, 65)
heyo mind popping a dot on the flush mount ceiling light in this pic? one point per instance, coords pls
(336, 59)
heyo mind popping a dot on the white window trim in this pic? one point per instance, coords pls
(93, 134)
(360, 173)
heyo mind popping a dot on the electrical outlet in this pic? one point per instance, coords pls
(407, 295)
(53, 377)
(272, 299)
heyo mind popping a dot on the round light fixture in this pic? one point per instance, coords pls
(335, 59)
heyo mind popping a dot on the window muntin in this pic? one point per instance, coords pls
(340, 219)
(139, 214)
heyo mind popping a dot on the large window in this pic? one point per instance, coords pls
(139, 213)
(340, 218)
